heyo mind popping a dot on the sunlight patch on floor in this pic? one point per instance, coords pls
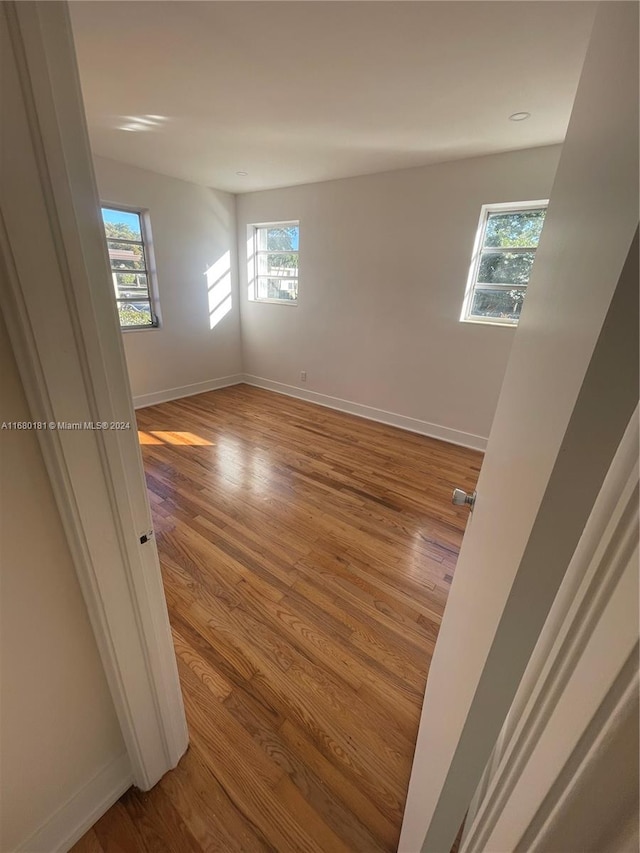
(173, 437)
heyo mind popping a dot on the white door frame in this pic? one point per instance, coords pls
(580, 685)
(68, 346)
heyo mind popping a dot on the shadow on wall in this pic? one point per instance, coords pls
(219, 289)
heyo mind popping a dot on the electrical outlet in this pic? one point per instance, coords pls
(303, 375)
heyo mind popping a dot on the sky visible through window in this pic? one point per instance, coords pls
(125, 245)
(122, 217)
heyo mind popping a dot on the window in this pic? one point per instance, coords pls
(275, 262)
(503, 256)
(128, 256)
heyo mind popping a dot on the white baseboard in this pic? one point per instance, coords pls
(186, 390)
(454, 436)
(70, 822)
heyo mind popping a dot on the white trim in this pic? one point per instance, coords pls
(168, 394)
(153, 288)
(252, 262)
(276, 222)
(485, 210)
(619, 481)
(69, 351)
(605, 552)
(75, 817)
(454, 436)
(510, 324)
(292, 302)
(147, 271)
(619, 704)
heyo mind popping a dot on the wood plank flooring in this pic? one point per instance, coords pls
(306, 555)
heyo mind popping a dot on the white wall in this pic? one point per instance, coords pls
(570, 388)
(383, 269)
(193, 229)
(58, 726)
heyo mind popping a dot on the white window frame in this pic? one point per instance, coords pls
(149, 264)
(255, 253)
(472, 280)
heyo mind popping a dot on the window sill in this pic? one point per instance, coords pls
(505, 324)
(129, 329)
(290, 302)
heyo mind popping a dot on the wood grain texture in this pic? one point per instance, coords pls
(307, 556)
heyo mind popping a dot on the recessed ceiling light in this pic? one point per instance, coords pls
(242, 174)
(519, 116)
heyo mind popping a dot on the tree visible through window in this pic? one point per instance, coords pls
(275, 250)
(506, 245)
(129, 267)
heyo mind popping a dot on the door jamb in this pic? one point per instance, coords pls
(79, 375)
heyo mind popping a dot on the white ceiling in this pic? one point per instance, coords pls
(293, 92)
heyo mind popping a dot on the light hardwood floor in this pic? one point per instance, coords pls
(307, 556)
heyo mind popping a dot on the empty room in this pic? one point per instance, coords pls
(319, 435)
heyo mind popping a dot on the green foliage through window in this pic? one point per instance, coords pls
(502, 268)
(127, 256)
(505, 268)
(507, 230)
(276, 262)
